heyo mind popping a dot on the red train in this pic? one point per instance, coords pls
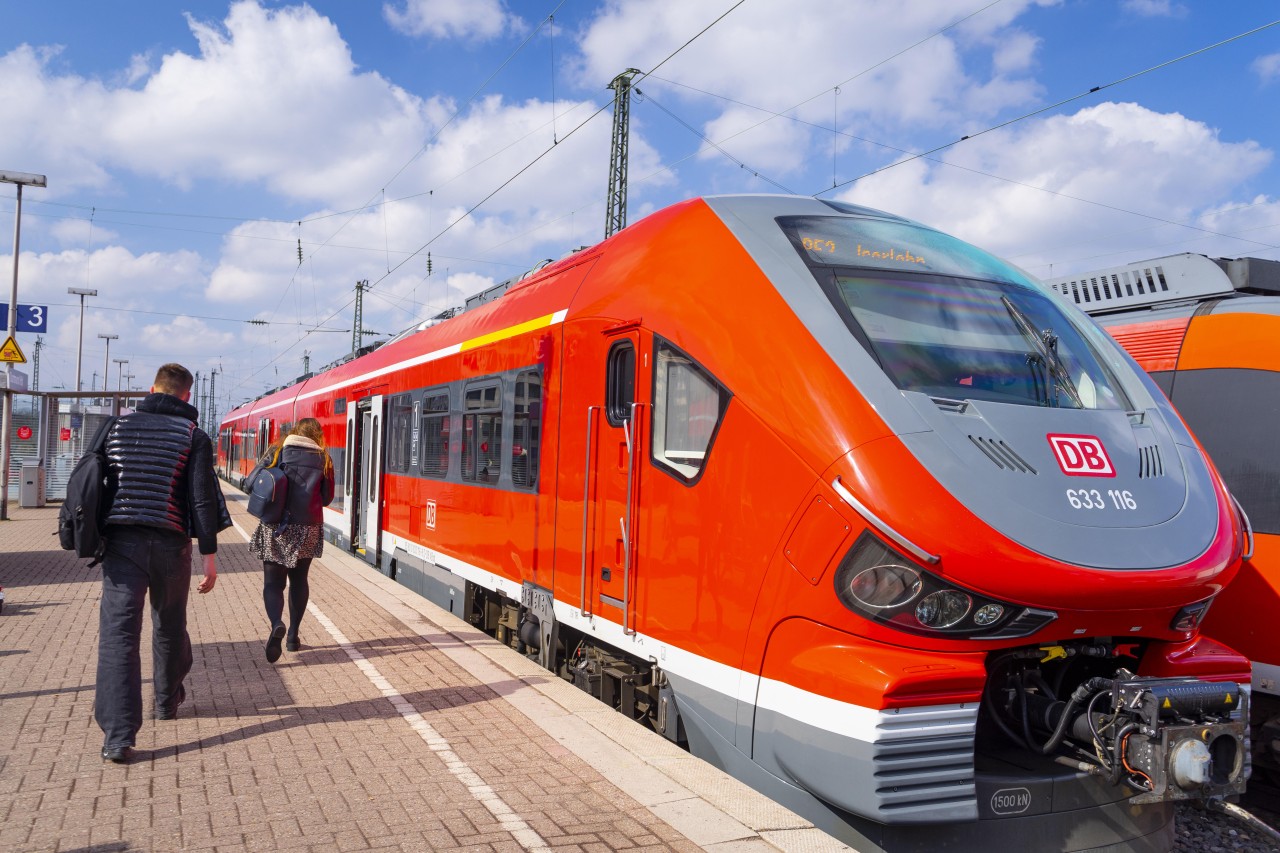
(857, 511)
(1208, 332)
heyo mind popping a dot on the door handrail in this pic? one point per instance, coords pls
(627, 629)
(586, 494)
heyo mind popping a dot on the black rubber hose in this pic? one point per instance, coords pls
(1117, 757)
(1081, 693)
(993, 711)
(1248, 819)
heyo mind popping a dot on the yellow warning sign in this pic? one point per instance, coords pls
(12, 352)
(1229, 701)
(1167, 704)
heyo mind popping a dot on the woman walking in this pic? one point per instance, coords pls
(286, 549)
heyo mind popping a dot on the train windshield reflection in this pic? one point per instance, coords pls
(964, 339)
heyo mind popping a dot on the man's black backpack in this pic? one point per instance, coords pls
(88, 499)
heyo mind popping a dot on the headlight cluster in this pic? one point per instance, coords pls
(877, 582)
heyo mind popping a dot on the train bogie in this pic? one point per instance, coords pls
(834, 499)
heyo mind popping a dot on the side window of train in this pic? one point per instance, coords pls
(264, 437)
(482, 433)
(526, 434)
(620, 383)
(435, 435)
(400, 420)
(688, 406)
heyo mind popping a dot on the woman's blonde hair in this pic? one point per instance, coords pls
(310, 428)
(273, 452)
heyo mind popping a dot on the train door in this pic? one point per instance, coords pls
(617, 442)
(365, 452)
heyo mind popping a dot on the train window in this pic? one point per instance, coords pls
(264, 437)
(339, 457)
(526, 430)
(435, 436)
(620, 382)
(400, 421)
(372, 470)
(482, 434)
(965, 339)
(688, 405)
(340, 406)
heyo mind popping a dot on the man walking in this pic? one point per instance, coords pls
(163, 492)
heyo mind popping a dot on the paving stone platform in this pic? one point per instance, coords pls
(395, 727)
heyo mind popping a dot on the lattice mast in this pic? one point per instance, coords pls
(616, 205)
(357, 328)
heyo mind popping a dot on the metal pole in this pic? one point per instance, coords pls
(120, 363)
(82, 293)
(106, 363)
(6, 422)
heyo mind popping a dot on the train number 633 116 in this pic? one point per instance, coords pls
(1094, 499)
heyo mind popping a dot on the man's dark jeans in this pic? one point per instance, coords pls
(139, 560)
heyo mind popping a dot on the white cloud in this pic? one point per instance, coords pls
(81, 233)
(1154, 8)
(961, 76)
(1121, 156)
(128, 287)
(306, 135)
(465, 19)
(1267, 67)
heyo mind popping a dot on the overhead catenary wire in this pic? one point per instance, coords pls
(500, 187)
(1092, 91)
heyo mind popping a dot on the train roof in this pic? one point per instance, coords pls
(1160, 282)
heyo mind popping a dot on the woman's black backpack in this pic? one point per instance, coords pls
(268, 488)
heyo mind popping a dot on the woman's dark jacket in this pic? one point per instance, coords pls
(310, 488)
(161, 472)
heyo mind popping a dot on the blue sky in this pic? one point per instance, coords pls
(190, 147)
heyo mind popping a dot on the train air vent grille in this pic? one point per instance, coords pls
(1027, 622)
(923, 760)
(1002, 454)
(1150, 463)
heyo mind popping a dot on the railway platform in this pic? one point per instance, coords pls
(395, 727)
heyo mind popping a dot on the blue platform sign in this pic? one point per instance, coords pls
(31, 318)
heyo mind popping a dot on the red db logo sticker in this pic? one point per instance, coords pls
(1081, 455)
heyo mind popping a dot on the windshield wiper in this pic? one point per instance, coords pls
(1045, 355)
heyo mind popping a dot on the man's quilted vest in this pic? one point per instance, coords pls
(147, 454)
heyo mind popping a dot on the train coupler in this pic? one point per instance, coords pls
(1181, 738)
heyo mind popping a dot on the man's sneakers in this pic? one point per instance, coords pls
(171, 713)
(273, 642)
(117, 754)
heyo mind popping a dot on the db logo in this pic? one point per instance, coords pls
(1081, 455)
(429, 517)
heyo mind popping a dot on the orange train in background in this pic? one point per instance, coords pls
(853, 509)
(1208, 332)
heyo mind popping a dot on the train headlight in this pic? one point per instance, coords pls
(943, 609)
(988, 614)
(888, 585)
(880, 584)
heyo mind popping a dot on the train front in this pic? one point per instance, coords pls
(1011, 643)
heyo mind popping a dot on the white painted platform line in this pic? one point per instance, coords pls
(525, 835)
(510, 821)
